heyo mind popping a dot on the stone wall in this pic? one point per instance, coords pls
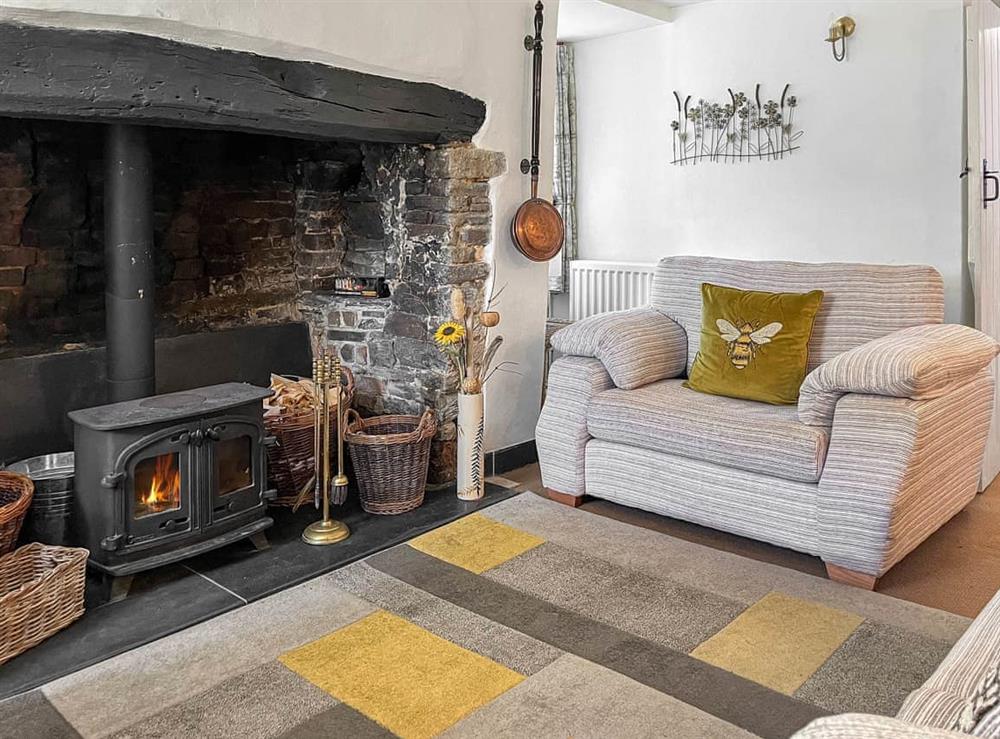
(436, 215)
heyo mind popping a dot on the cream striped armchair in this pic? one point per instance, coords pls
(884, 446)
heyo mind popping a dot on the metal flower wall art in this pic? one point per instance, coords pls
(742, 129)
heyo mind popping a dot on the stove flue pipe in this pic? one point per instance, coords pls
(128, 259)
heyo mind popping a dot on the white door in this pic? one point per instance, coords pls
(983, 95)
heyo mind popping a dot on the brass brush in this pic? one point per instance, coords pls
(338, 494)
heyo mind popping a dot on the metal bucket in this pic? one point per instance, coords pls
(49, 519)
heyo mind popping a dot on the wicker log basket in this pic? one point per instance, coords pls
(290, 461)
(41, 592)
(16, 492)
(390, 455)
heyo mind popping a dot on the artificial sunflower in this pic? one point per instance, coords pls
(449, 333)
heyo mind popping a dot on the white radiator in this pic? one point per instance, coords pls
(599, 287)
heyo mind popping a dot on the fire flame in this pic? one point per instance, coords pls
(165, 487)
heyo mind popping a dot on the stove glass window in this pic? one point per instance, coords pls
(233, 464)
(157, 484)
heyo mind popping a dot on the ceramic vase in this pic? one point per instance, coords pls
(470, 446)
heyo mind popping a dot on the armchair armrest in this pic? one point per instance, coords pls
(896, 470)
(561, 434)
(919, 363)
(637, 346)
(865, 726)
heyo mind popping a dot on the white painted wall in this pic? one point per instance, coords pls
(876, 179)
(469, 45)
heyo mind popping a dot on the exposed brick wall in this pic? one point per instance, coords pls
(51, 279)
(232, 253)
(15, 258)
(237, 218)
(241, 221)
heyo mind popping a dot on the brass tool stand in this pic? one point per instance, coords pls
(326, 372)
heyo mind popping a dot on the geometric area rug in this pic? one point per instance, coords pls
(526, 619)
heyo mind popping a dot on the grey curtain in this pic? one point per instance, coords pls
(564, 186)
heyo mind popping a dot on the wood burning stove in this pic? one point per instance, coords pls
(159, 477)
(169, 476)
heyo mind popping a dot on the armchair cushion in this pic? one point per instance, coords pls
(919, 363)
(667, 417)
(636, 346)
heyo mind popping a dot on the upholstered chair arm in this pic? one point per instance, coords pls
(637, 346)
(919, 363)
(866, 726)
(561, 433)
(896, 470)
(968, 671)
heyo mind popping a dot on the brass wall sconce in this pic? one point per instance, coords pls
(840, 29)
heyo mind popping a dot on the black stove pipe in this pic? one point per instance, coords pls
(128, 259)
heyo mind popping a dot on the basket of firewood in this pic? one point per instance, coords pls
(289, 417)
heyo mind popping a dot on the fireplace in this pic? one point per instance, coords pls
(178, 189)
(170, 476)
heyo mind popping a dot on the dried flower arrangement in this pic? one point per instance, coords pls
(738, 131)
(454, 339)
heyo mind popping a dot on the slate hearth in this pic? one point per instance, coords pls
(220, 581)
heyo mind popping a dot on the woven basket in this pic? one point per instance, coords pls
(41, 592)
(290, 461)
(16, 492)
(390, 456)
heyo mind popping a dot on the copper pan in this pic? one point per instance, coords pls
(537, 228)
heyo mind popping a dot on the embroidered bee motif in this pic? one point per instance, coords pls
(745, 340)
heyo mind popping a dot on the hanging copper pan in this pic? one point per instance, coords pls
(537, 228)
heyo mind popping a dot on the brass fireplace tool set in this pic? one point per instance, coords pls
(326, 378)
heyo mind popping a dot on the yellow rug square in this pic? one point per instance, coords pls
(475, 543)
(407, 679)
(779, 641)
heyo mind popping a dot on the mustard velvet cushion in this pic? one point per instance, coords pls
(754, 345)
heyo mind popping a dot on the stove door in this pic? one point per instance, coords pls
(235, 466)
(160, 480)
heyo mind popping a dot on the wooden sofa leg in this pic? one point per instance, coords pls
(574, 501)
(851, 577)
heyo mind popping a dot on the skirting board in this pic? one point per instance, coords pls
(510, 458)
